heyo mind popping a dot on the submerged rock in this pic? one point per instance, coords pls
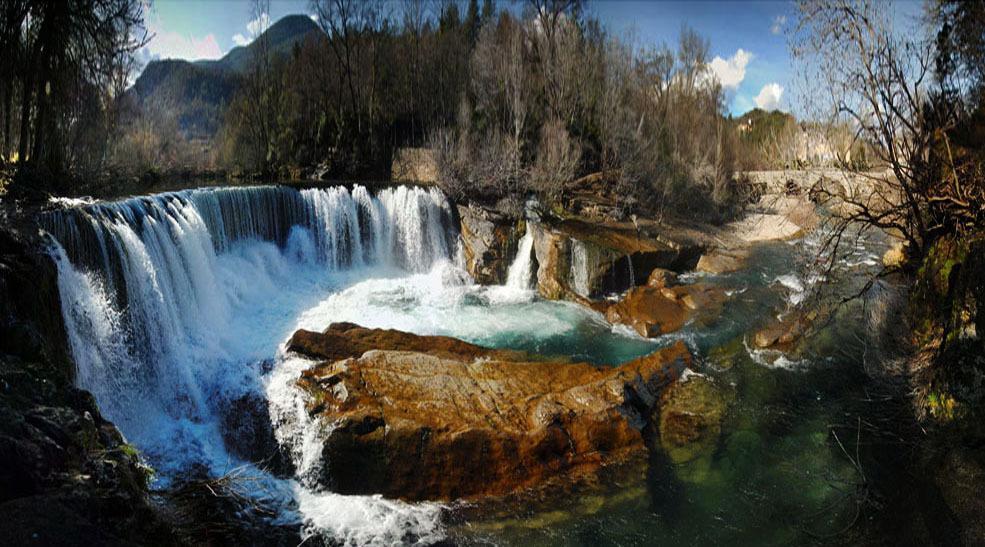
(786, 331)
(432, 417)
(691, 414)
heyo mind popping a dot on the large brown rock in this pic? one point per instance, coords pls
(721, 261)
(457, 420)
(655, 310)
(648, 311)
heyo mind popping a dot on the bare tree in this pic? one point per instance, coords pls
(875, 78)
(558, 156)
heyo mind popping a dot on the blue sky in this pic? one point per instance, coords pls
(748, 44)
(748, 40)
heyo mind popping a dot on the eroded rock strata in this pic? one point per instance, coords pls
(489, 242)
(431, 417)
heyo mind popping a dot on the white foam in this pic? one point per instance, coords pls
(369, 520)
(796, 290)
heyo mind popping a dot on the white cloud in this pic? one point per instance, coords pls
(778, 22)
(769, 96)
(167, 44)
(253, 29)
(730, 72)
(258, 25)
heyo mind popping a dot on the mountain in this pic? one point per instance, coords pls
(197, 93)
(281, 37)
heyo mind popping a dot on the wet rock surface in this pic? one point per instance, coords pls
(590, 259)
(654, 310)
(489, 241)
(422, 417)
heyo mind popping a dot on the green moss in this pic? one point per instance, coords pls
(942, 406)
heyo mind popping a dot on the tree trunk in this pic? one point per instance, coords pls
(7, 99)
(27, 91)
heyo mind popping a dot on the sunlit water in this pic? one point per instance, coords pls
(179, 303)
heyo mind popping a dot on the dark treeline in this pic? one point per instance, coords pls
(374, 79)
(63, 65)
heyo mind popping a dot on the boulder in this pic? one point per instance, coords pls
(425, 417)
(691, 412)
(661, 278)
(721, 261)
(489, 241)
(652, 311)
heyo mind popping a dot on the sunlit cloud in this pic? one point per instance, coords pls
(730, 72)
(769, 96)
(254, 28)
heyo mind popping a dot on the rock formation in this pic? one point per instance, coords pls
(588, 259)
(431, 417)
(489, 240)
(654, 310)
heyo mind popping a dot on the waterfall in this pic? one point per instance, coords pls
(520, 272)
(579, 268)
(169, 298)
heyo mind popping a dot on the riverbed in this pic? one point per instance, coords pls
(178, 306)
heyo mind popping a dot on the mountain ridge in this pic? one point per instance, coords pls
(197, 93)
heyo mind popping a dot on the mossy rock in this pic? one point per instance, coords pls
(691, 413)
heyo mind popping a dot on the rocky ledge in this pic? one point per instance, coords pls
(436, 418)
(489, 242)
(579, 259)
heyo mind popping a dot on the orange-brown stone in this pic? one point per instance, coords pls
(425, 417)
(655, 310)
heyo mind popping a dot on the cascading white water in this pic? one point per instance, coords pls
(172, 301)
(579, 268)
(520, 273)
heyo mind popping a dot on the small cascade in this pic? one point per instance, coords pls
(520, 274)
(579, 268)
(632, 272)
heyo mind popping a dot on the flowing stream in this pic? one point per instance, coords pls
(178, 305)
